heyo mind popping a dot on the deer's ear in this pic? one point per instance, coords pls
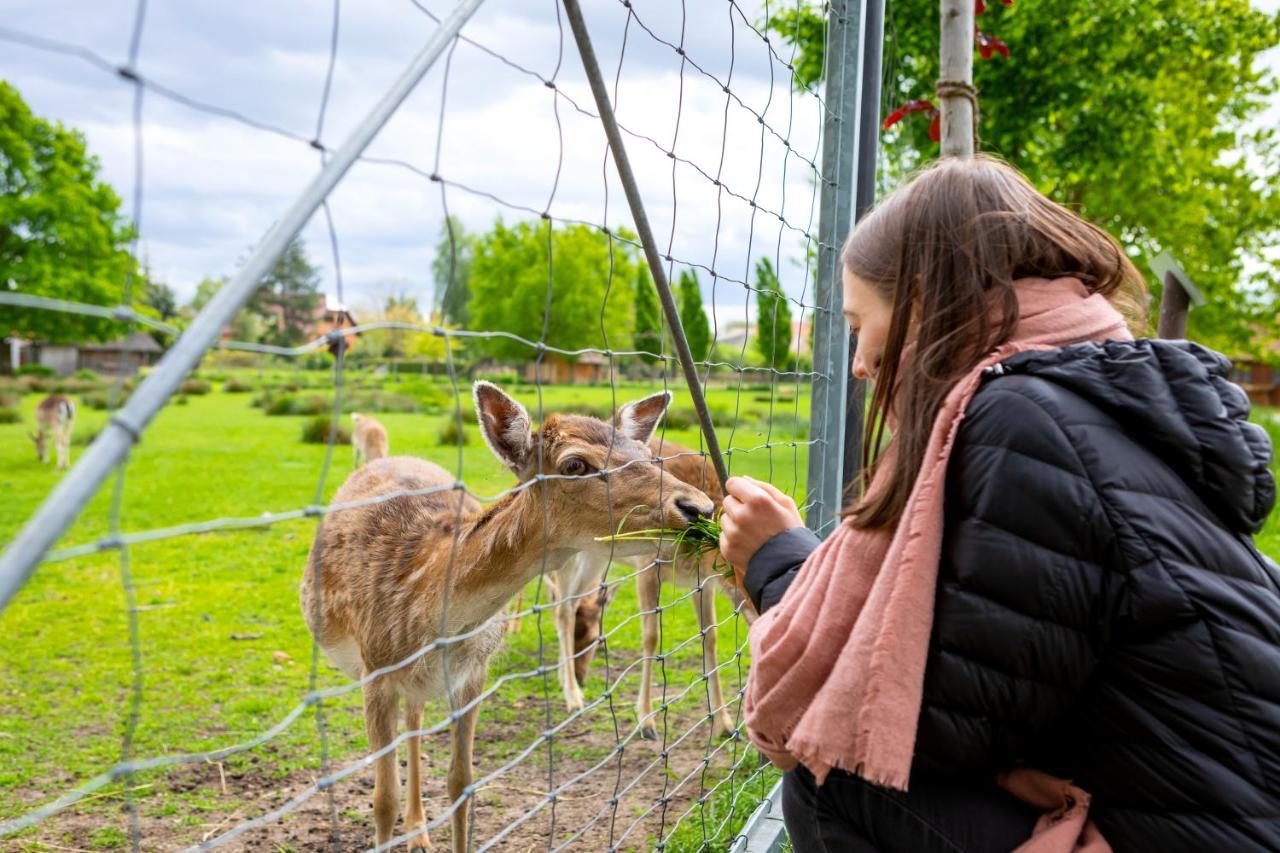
(504, 423)
(638, 420)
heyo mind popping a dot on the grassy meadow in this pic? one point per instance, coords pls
(225, 654)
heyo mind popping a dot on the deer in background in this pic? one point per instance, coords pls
(581, 602)
(368, 439)
(386, 580)
(55, 416)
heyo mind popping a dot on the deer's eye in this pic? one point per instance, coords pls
(574, 467)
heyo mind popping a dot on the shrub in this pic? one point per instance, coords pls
(291, 387)
(181, 400)
(468, 415)
(194, 387)
(76, 386)
(290, 405)
(579, 407)
(316, 431)
(682, 417)
(37, 383)
(35, 370)
(85, 373)
(9, 416)
(235, 386)
(380, 401)
(450, 436)
(9, 401)
(97, 400)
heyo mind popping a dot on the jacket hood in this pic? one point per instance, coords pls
(1175, 398)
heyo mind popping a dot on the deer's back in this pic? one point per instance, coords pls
(689, 466)
(372, 437)
(368, 560)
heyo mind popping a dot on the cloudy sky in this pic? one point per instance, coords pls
(212, 185)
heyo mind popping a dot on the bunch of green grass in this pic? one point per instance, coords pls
(699, 538)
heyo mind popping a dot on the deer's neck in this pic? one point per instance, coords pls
(498, 550)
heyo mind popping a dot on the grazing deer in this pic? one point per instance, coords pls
(384, 581)
(579, 609)
(54, 418)
(368, 439)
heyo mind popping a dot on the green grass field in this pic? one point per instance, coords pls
(225, 654)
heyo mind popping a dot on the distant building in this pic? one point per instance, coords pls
(590, 368)
(1260, 380)
(121, 357)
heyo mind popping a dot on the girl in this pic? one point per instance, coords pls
(1049, 575)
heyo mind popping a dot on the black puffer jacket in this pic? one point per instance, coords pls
(1102, 612)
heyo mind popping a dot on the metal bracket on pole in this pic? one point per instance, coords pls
(592, 66)
(64, 503)
(1180, 295)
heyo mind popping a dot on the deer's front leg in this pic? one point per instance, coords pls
(648, 586)
(380, 723)
(464, 734)
(414, 817)
(64, 451)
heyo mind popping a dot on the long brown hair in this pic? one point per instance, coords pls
(942, 249)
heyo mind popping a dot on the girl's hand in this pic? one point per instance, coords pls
(754, 512)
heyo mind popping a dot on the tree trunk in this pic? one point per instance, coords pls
(955, 74)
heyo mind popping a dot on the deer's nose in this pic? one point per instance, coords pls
(692, 510)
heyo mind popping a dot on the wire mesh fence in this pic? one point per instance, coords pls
(162, 690)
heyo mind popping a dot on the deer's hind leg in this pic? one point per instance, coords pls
(648, 588)
(380, 706)
(704, 599)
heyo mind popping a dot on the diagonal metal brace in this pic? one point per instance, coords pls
(596, 79)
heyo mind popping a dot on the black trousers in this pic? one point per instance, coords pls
(849, 815)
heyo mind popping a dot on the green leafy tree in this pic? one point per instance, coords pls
(62, 234)
(287, 297)
(773, 320)
(649, 328)
(693, 316)
(1143, 116)
(511, 271)
(451, 271)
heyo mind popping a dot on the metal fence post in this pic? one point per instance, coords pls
(64, 503)
(844, 70)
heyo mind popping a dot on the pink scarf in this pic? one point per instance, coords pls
(837, 671)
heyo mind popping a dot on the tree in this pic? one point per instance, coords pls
(693, 316)
(1094, 107)
(648, 323)
(287, 297)
(62, 234)
(511, 271)
(393, 343)
(451, 270)
(773, 317)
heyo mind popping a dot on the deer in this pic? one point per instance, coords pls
(418, 559)
(55, 417)
(581, 601)
(368, 439)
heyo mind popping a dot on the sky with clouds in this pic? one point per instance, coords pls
(212, 185)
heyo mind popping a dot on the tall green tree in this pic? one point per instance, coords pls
(513, 265)
(648, 324)
(451, 272)
(693, 315)
(773, 317)
(62, 234)
(287, 297)
(1143, 116)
